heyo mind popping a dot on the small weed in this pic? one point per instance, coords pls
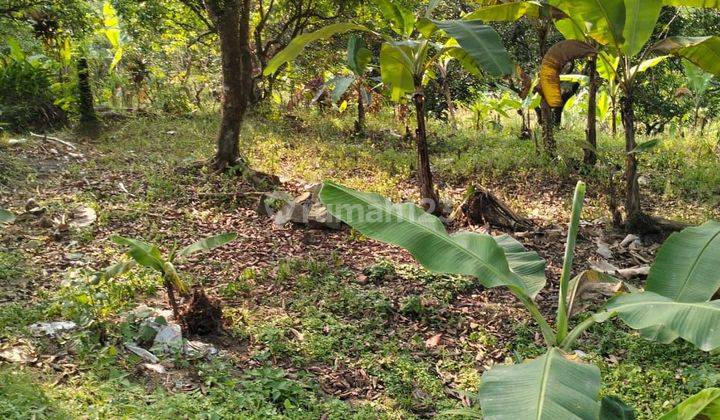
(273, 384)
(655, 378)
(21, 396)
(11, 266)
(241, 286)
(380, 272)
(413, 306)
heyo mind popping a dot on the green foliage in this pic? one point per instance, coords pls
(542, 383)
(148, 255)
(425, 237)
(413, 306)
(684, 268)
(90, 299)
(27, 101)
(299, 43)
(12, 266)
(22, 397)
(697, 50)
(550, 386)
(275, 387)
(705, 404)
(381, 272)
(241, 286)
(358, 55)
(482, 43)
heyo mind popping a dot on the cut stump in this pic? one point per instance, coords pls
(482, 207)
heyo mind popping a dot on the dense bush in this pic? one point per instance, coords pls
(27, 101)
(657, 100)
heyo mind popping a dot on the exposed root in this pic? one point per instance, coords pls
(262, 180)
(644, 224)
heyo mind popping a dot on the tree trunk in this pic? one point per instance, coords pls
(633, 211)
(360, 123)
(612, 201)
(557, 115)
(525, 132)
(546, 117)
(614, 115)
(448, 99)
(547, 128)
(173, 302)
(590, 152)
(88, 118)
(231, 17)
(430, 200)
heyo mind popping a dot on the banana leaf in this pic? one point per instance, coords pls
(550, 387)
(425, 237)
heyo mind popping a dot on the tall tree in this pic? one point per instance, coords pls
(232, 21)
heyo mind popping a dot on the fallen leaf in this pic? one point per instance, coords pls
(18, 354)
(6, 216)
(155, 367)
(631, 272)
(433, 341)
(603, 249)
(603, 267)
(83, 216)
(630, 238)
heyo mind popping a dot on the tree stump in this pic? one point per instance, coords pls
(482, 207)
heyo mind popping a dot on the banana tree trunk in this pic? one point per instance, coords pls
(633, 210)
(170, 290)
(546, 114)
(548, 136)
(525, 132)
(590, 154)
(430, 199)
(450, 104)
(614, 115)
(360, 123)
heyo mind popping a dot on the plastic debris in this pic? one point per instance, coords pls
(52, 328)
(144, 354)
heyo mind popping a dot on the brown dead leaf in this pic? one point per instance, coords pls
(18, 354)
(83, 216)
(433, 341)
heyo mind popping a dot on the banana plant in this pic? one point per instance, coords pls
(406, 58)
(149, 255)
(487, 106)
(675, 303)
(541, 14)
(111, 29)
(607, 99)
(443, 66)
(698, 83)
(623, 28)
(358, 61)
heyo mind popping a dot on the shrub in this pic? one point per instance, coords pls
(26, 98)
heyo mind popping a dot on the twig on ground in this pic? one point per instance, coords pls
(55, 139)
